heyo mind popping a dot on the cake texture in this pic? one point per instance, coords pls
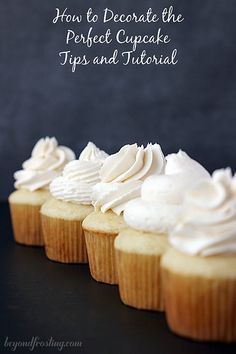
(138, 256)
(62, 216)
(150, 218)
(25, 215)
(200, 296)
(100, 231)
(122, 176)
(62, 229)
(199, 273)
(32, 183)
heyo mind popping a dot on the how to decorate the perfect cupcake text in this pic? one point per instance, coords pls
(128, 36)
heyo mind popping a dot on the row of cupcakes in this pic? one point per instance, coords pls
(160, 227)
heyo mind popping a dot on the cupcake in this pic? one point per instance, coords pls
(62, 215)
(122, 176)
(138, 255)
(140, 248)
(199, 272)
(46, 162)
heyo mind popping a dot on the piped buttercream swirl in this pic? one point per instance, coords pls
(46, 163)
(123, 173)
(207, 224)
(79, 177)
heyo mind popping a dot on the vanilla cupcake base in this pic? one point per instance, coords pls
(100, 233)
(25, 215)
(62, 231)
(138, 256)
(200, 296)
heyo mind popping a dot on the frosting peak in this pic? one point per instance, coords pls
(162, 195)
(46, 162)
(79, 176)
(182, 163)
(207, 224)
(133, 162)
(123, 173)
(92, 153)
(181, 172)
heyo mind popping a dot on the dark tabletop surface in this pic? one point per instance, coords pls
(44, 299)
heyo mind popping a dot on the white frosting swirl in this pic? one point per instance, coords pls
(115, 196)
(123, 173)
(133, 163)
(161, 196)
(181, 173)
(79, 176)
(46, 162)
(92, 153)
(207, 225)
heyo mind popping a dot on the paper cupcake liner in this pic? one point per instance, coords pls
(140, 280)
(101, 255)
(26, 222)
(64, 240)
(200, 308)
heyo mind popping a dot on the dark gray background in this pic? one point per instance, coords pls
(191, 105)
